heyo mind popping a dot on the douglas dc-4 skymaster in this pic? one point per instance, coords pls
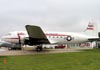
(36, 36)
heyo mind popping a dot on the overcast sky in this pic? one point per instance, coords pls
(51, 15)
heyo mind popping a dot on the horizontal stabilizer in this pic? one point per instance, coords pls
(94, 39)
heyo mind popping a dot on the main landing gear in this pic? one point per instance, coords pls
(39, 48)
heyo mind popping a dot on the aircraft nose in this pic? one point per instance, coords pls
(3, 38)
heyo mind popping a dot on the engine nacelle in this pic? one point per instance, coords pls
(69, 38)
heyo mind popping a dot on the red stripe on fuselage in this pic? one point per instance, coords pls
(56, 35)
(45, 34)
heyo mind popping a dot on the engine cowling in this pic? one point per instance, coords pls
(69, 38)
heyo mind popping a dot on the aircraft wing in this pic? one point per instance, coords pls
(36, 35)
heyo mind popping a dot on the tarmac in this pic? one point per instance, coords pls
(6, 52)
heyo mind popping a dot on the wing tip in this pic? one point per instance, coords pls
(31, 25)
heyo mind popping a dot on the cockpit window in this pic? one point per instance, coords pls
(9, 34)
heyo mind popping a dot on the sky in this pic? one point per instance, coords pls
(50, 15)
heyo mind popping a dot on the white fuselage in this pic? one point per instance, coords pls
(53, 37)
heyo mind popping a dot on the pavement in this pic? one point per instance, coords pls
(1, 50)
(6, 52)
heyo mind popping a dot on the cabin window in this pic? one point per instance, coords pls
(53, 37)
(60, 36)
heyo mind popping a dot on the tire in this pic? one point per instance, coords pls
(39, 48)
(9, 48)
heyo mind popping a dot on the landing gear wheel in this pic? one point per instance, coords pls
(9, 48)
(39, 48)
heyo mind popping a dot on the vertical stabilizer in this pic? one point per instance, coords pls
(92, 29)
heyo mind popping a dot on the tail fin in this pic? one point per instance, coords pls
(92, 29)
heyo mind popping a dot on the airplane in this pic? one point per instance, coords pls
(35, 36)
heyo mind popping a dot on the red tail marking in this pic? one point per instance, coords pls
(90, 28)
(90, 25)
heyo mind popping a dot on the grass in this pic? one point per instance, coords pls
(87, 60)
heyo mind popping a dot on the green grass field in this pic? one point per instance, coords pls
(86, 60)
